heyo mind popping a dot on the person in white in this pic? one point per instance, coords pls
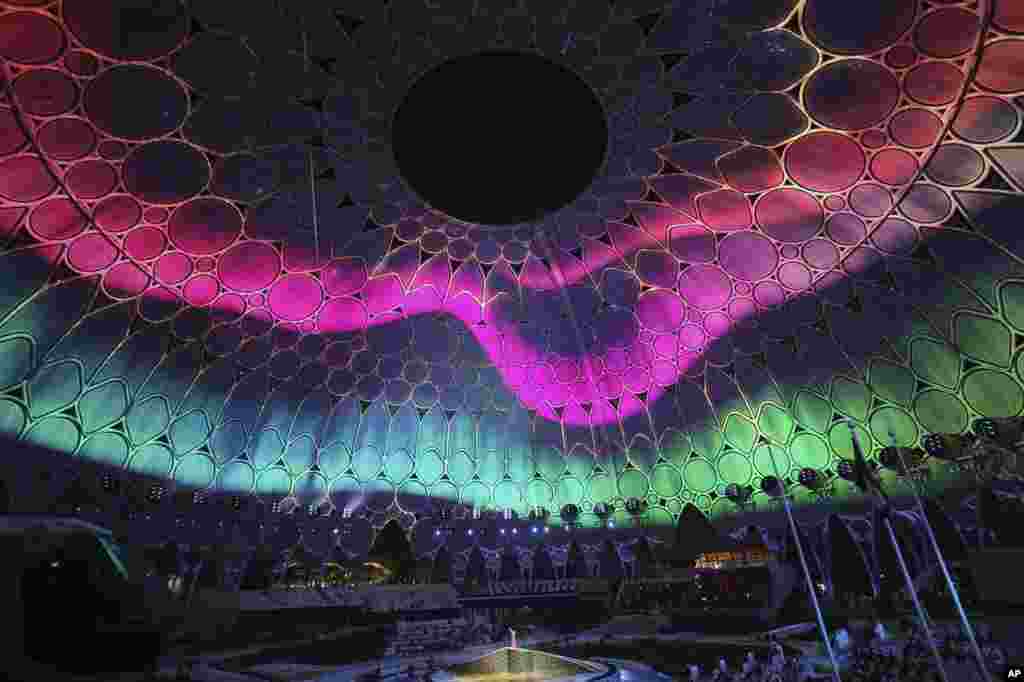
(513, 632)
(749, 663)
(694, 672)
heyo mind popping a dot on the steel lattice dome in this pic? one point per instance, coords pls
(216, 273)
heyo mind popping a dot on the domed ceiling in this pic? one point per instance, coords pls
(243, 247)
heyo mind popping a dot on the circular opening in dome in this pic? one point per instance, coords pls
(499, 137)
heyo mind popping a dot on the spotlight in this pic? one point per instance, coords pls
(902, 460)
(811, 478)
(469, 532)
(948, 446)
(738, 494)
(534, 529)
(603, 510)
(845, 470)
(772, 486)
(515, 531)
(502, 531)
(1007, 432)
(570, 513)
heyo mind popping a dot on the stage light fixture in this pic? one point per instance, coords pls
(902, 460)
(1007, 432)
(738, 494)
(948, 446)
(811, 478)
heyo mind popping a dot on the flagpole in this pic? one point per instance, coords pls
(887, 522)
(943, 566)
(807, 571)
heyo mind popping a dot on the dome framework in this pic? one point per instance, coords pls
(213, 273)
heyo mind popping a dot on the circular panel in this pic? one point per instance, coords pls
(507, 495)
(204, 226)
(570, 491)
(158, 102)
(894, 166)
(165, 172)
(201, 290)
(699, 475)
(91, 179)
(895, 236)
(890, 423)
(933, 83)
(476, 495)
(173, 268)
(125, 280)
(539, 494)
(940, 412)
(915, 128)
(367, 463)
(993, 394)
(91, 253)
(398, 465)
(127, 29)
(752, 169)
(30, 38)
(195, 471)
(870, 200)
(461, 467)
(734, 467)
(429, 466)
(985, 119)
(926, 204)
(57, 219)
(274, 482)
(948, 32)
(795, 276)
(602, 488)
(145, 243)
(236, 477)
(1009, 16)
(705, 287)
(771, 460)
(821, 254)
(25, 178)
(858, 28)
(851, 94)
(1002, 66)
(666, 480)
(810, 450)
(117, 213)
(295, 297)
(748, 255)
(839, 438)
(955, 165)
(63, 139)
(825, 161)
(153, 460)
(725, 210)
(789, 215)
(45, 92)
(633, 483)
(660, 310)
(249, 266)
